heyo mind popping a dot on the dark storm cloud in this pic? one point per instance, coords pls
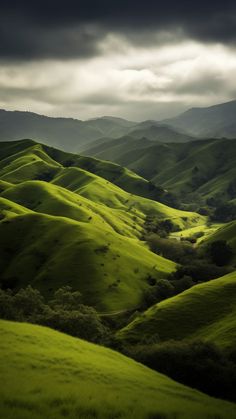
(74, 29)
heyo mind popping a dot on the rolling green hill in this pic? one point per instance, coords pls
(63, 224)
(160, 133)
(110, 270)
(146, 134)
(226, 232)
(207, 168)
(51, 375)
(206, 311)
(27, 160)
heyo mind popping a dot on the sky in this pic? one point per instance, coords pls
(131, 59)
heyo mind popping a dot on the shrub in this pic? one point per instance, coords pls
(28, 302)
(224, 213)
(64, 313)
(197, 364)
(162, 228)
(66, 299)
(46, 176)
(83, 323)
(220, 252)
(200, 271)
(172, 249)
(7, 309)
(160, 291)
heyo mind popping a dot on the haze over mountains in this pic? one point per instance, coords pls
(76, 135)
(212, 122)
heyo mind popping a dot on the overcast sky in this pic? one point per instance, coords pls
(137, 60)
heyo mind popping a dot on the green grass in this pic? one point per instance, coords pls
(204, 229)
(50, 375)
(203, 167)
(226, 232)
(206, 311)
(48, 252)
(77, 228)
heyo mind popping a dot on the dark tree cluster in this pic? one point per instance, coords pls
(64, 312)
(198, 364)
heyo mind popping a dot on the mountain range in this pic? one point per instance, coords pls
(75, 135)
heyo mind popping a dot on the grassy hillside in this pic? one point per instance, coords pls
(51, 375)
(25, 160)
(112, 149)
(226, 232)
(110, 270)
(144, 135)
(163, 134)
(203, 167)
(206, 311)
(66, 225)
(200, 233)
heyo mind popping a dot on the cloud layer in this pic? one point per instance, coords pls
(133, 59)
(72, 29)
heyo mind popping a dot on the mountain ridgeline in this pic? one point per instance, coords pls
(216, 121)
(76, 135)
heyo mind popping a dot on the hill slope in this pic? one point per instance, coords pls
(48, 252)
(206, 311)
(226, 232)
(66, 133)
(48, 374)
(27, 160)
(203, 167)
(77, 228)
(215, 121)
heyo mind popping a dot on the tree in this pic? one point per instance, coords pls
(220, 252)
(7, 309)
(83, 323)
(224, 213)
(67, 299)
(28, 302)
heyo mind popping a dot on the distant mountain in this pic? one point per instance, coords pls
(213, 122)
(67, 133)
(161, 133)
(143, 136)
(75, 135)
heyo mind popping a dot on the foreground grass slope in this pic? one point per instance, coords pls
(51, 375)
(206, 311)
